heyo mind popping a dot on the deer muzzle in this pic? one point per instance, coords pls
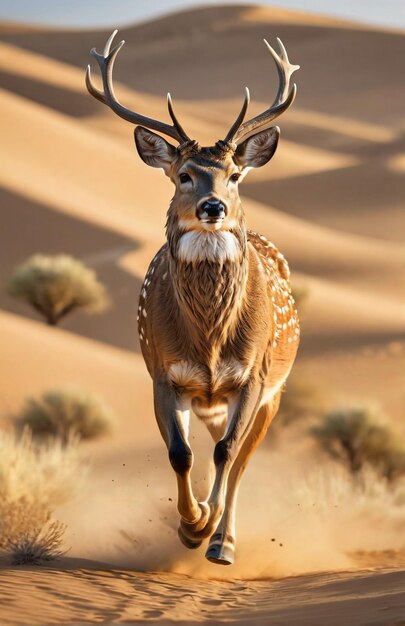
(211, 211)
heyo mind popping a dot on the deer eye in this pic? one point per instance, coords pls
(184, 178)
(235, 177)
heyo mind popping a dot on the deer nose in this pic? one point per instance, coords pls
(212, 209)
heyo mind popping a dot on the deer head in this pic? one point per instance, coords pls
(206, 178)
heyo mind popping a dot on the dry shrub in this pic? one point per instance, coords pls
(34, 480)
(62, 413)
(28, 533)
(57, 285)
(358, 438)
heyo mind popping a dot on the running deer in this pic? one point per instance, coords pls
(217, 322)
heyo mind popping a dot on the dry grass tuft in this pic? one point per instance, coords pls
(34, 480)
(357, 437)
(39, 545)
(28, 534)
(57, 285)
(65, 412)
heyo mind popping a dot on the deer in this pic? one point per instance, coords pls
(217, 322)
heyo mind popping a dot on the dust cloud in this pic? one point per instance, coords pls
(296, 515)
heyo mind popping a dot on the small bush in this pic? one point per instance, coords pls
(357, 438)
(34, 480)
(57, 285)
(62, 413)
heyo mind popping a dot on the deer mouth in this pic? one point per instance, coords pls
(212, 220)
(212, 223)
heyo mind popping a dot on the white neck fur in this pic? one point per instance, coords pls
(216, 247)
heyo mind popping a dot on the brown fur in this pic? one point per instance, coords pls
(202, 312)
(218, 328)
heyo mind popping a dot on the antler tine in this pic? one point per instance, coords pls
(109, 42)
(284, 98)
(285, 70)
(106, 63)
(99, 95)
(240, 117)
(176, 122)
(107, 96)
(91, 88)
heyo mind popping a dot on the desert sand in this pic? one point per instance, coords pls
(331, 200)
(90, 594)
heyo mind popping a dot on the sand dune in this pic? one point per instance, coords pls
(34, 360)
(136, 207)
(327, 253)
(362, 132)
(89, 195)
(233, 34)
(354, 314)
(70, 181)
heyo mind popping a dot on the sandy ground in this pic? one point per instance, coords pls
(332, 201)
(82, 592)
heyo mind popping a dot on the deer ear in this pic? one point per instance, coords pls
(258, 149)
(153, 149)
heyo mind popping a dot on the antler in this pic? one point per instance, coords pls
(284, 99)
(107, 96)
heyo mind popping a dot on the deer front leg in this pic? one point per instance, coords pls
(172, 416)
(225, 453)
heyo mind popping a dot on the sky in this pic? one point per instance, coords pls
(103, 13)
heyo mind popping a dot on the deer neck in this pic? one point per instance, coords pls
(209, 273)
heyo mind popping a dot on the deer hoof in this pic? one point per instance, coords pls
(191, 544)
(205, 515)
(221, 553)
(190, 528)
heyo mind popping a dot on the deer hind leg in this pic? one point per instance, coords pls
(172, 416)
(221, 548)
(226, 451)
